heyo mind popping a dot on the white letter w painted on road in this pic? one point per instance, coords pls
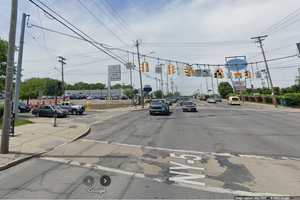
(186, 177)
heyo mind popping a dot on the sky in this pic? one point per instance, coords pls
(193, 31)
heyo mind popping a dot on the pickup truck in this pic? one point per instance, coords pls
(72, 108)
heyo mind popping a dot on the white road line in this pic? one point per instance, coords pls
(99, 167)
(139, 175)
(192, 151)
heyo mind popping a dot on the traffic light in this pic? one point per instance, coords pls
(188, 70)
(144, 67)
(237, 75)
(171, 69)
(247, 74)
(216, 74)
(219, 73)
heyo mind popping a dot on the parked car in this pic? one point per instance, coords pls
(59, 107)
(211, 100)
(48, 111)
(159, 106)
(234, 100)
(24, 108)
(72, 108)
(189, 106)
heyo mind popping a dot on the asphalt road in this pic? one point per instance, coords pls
(218, 128)
(215, 128)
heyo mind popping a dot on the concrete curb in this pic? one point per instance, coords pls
(34, 155)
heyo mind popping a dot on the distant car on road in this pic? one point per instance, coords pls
(211, 100)
(159, 106)
(48, 111)
(189, 106)
(234, 100)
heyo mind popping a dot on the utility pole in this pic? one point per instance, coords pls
(140, 73)
(9, 78)
(62, 61)
(259, 40)
(19, 66)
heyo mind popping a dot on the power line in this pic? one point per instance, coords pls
(153, 57)
(280, 24)
(101, 22)
(111, 13)
(78, 32)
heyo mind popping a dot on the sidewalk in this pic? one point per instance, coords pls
(33, 139)
(40, 137)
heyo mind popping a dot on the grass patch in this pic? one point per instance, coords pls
(19, 122)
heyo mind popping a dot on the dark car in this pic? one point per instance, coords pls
(159, 106)
(48, 111)
(189, 106)
(24, 108)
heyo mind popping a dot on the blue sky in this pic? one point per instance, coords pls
(188, 30)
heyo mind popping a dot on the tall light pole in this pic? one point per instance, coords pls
(9, 78)
(19, 65)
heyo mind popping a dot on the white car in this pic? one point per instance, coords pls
(211, 100)
(234, 100)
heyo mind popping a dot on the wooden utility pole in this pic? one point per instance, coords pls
(9, 78)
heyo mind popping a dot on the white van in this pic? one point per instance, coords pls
(234, 100)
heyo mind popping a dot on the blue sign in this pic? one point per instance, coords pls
(236, 64)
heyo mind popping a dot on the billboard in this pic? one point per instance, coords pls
(236, 63)
(114, 72)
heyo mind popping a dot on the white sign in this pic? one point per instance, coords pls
(114, 72)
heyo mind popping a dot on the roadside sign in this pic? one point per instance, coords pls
(158, 69)
(114, 72)
(239, 85)
(205, 73)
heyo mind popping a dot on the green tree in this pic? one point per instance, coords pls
(158, 94)
(116, 86)
(3, 58)
(31, 88)
(225, 89)
(129, 92)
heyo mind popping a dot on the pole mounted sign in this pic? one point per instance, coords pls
(114, 72)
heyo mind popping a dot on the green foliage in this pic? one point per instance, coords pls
(225, 89)
(129, 92)
(85, 86)
(158, 94)
(292, 89)
(31, 88)
(3, 58)
(290, 99)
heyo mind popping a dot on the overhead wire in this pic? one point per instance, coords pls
(100, 21)
(78, 32)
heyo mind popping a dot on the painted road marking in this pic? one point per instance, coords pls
(192, 151)
(185, 177)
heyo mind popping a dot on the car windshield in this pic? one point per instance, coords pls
(188, 103)
(156, 102)
(150, 99)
